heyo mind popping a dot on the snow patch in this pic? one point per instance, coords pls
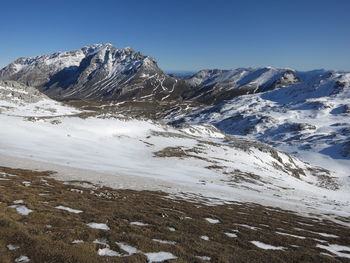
(336, 249)
(22, 209)
(100, 226)
(136, 223)
(266, 246)
(159, 256)
(108, 252)
(164, 241)
(78, 241)
(12, 247)
(68, 209)
(212, 220)
(22, 259)
(230, 234)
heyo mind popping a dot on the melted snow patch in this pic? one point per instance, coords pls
(212, 220)
(77, 190)
(77, 241)
(12, 247)
(337, 250)
(98, 226)
(4, 179)
(304, 224)
(205, 258)
(248, 226)
(152, 256)
(22, 259)
(317, 233)
(108, 252)
(22, 209)
(290, 235)
(138, 224)
(71, 210)
(164, 241)
(206, 238)
(326, 235)
(159, 256)
(172, 229)
(230, 234)
(6, 174)
(26, 183)
(127, 248)
(266, 246)
(101, 241)
(320, 240)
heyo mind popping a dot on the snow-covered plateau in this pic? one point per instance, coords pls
(195, 160)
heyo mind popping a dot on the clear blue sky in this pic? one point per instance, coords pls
(186, 35)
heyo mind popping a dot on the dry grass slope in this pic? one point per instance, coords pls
(46, 234)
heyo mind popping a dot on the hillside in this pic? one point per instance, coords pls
(310, 118)
(147, 154)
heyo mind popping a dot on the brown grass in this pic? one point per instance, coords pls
(138, 109)
(117, 208)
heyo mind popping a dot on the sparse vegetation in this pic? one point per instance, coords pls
(138, 109)
(46, 234)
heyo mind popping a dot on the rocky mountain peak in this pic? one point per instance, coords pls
(95, 72)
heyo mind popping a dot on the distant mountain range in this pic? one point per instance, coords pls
(212, 86)
(103, 73)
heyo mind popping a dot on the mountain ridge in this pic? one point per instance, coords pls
(101, 72)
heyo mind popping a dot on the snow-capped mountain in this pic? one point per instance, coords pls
(97, 72)
(215, 85)
(144, 154)
(312, 115)
(102, 72)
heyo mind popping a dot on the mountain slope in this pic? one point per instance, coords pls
(97, 72)
(145, 154)
(313, 115)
